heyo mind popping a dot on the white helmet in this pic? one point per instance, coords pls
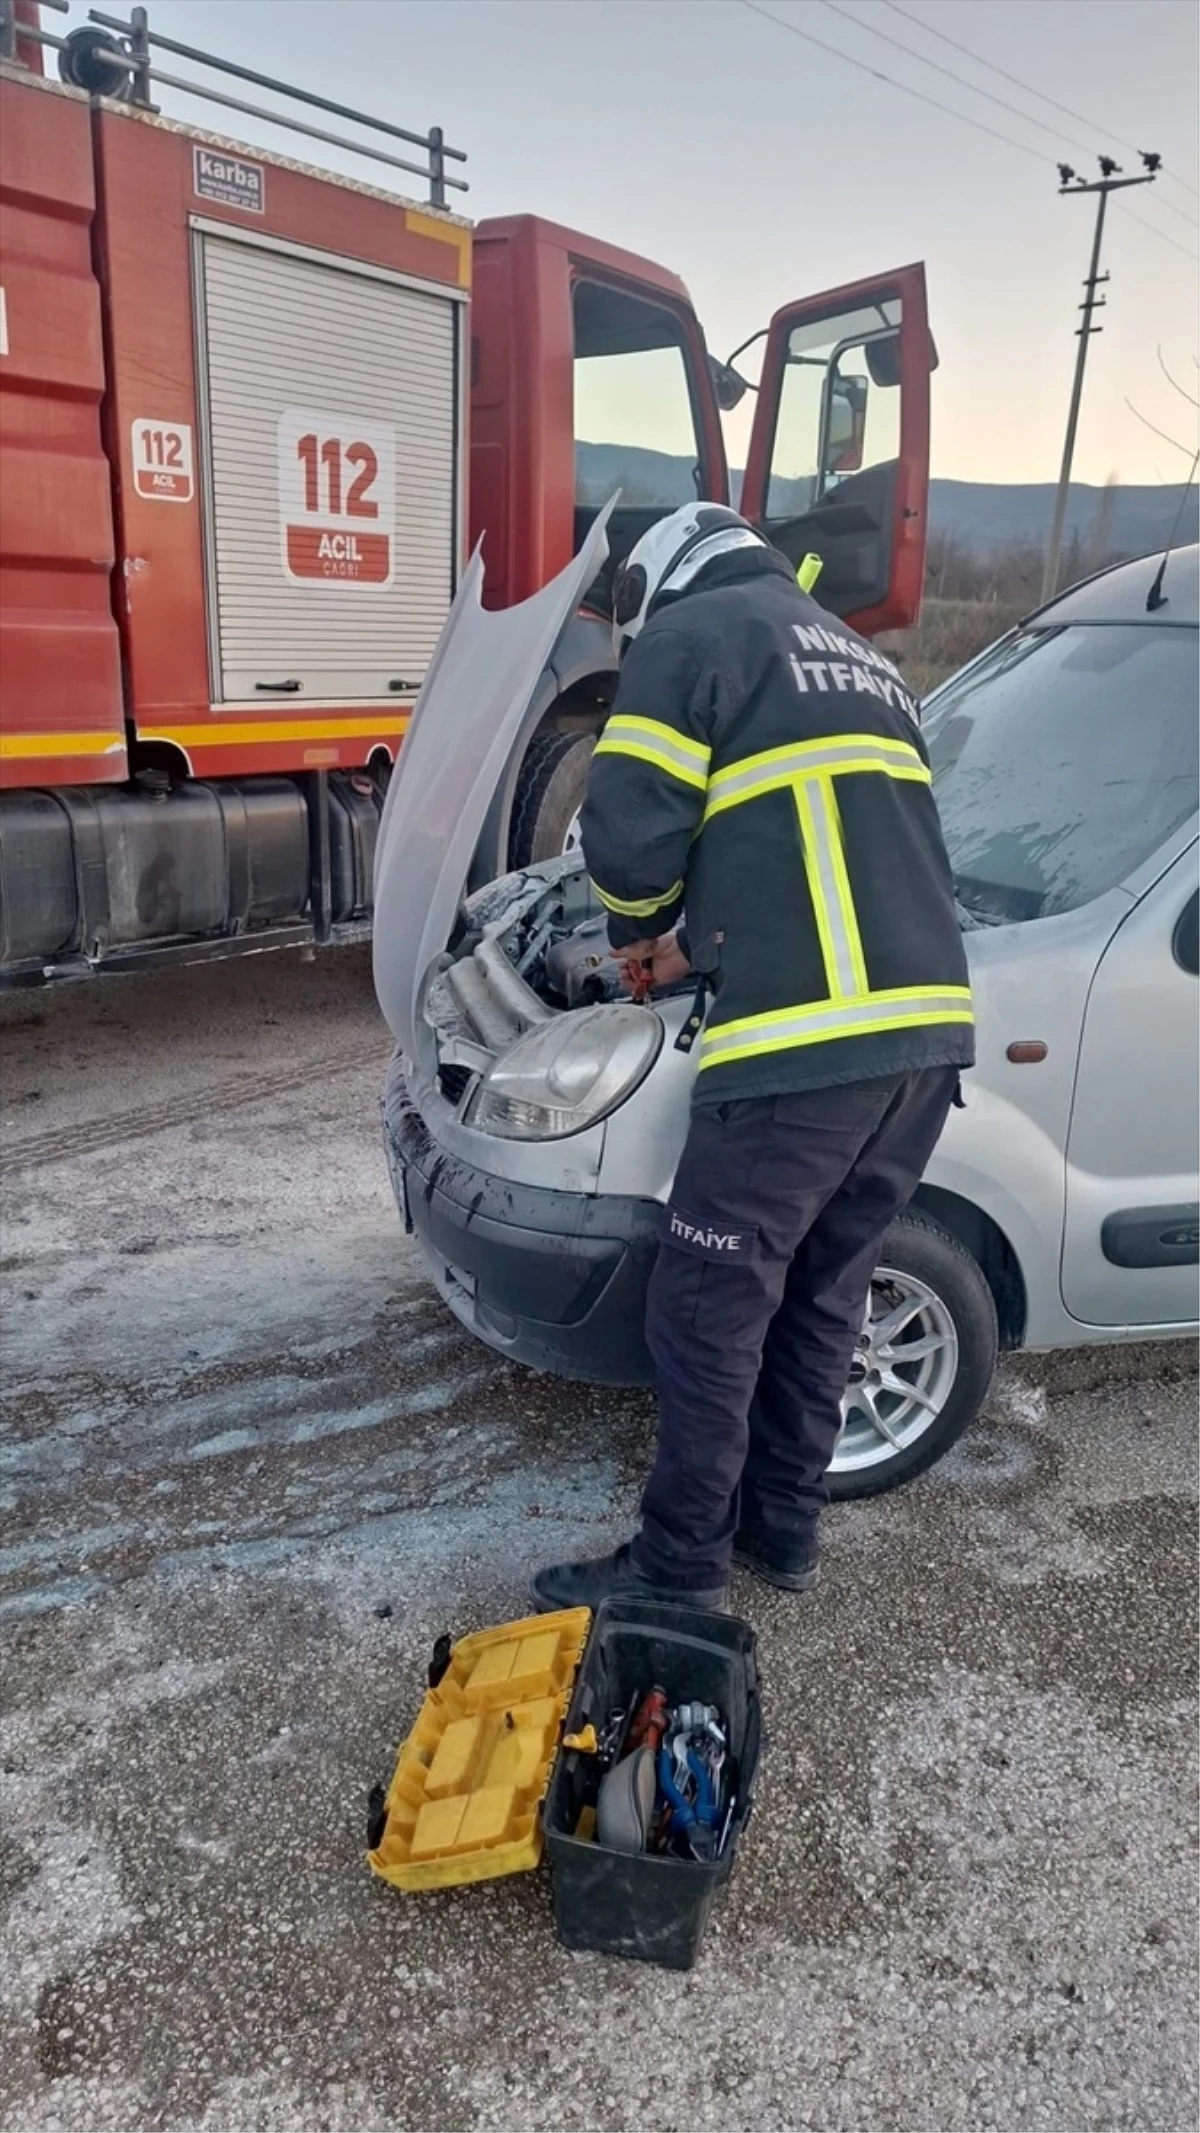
(668, 557)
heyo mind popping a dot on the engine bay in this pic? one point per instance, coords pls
(527, 949)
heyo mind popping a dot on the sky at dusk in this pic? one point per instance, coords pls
(761, 167)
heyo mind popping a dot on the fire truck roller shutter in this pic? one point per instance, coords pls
(332, 437)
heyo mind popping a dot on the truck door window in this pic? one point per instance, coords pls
(635, 425)
(839, 408)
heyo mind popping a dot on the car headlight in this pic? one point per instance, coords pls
(567, 1074)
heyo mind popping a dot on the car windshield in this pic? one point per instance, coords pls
(1062, 761)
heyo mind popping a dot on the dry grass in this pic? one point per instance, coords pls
(972, 598)
(949, 633)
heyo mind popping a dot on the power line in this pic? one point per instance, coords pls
(1017, 83)
(1156, 232)
(951, 74)
(877, 74)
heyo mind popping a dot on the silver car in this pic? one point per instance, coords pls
(534, 1117)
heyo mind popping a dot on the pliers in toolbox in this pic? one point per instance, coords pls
(694, 1817)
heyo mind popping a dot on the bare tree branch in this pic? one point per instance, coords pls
(1191, 476)
(1186, 449)
(1184, 395)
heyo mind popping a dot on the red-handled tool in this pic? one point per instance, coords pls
(650, 1720)
(639, 978)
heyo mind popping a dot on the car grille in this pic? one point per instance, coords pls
(454, 1081)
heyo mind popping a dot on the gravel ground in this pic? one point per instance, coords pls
(251, 1470)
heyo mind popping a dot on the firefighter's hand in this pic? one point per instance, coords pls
(662, 961)
(639, 951)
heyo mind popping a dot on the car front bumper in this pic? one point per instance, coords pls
(556, 1280)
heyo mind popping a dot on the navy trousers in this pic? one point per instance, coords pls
(770, 1239)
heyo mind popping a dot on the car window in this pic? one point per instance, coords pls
(1062, 761)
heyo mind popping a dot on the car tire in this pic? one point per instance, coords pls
(924, 1259)
(550, 792)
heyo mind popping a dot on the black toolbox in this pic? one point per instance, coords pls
(652, 1906)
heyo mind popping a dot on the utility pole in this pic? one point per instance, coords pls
(1109, 181)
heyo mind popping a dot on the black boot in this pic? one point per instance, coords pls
(606, 1577)
(790, 1565)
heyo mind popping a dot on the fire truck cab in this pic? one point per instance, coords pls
(254, 414)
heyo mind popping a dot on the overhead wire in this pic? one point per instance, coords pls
(1027, 118)
(1155, 231)
(877, 74)
(906, 88)
(969, 52)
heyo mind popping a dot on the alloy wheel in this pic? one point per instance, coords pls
(903, 1372)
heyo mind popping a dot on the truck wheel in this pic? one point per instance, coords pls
(925, 1363)
(550, 790)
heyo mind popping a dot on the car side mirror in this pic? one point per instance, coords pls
(729, 387)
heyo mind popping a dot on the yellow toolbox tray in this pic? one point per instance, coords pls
(465, 1799)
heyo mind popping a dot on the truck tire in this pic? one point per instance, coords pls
(954, 1317)
(549, 796)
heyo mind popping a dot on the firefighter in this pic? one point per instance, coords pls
(764, 766)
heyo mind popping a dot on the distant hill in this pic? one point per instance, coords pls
(1124, 520)
(980, 515)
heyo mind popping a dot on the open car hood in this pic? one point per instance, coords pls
(464, 726)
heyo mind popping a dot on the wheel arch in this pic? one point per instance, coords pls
(983, 1237)
(161, 755)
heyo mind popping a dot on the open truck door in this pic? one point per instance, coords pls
(839, 453)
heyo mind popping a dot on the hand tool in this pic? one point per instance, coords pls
(650, 1720)
(700, 1718)
(614, 1731)
(625, 1809)
(693, 1804)
(688, 1784)
(639, 977)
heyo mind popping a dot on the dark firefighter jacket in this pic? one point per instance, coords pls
(764, 766)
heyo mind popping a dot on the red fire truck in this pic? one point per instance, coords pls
(252, 414)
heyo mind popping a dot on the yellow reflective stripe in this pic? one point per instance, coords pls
(776, 767)
(845, 895)
(823, 1021)
(817, 754)
(877, 1026)
(887, 996)
(650, 755)
(827, 817)
(225, 733)
(651, 742)
(837, 968)
(646, 907)
(653, 729)
(27, 747)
